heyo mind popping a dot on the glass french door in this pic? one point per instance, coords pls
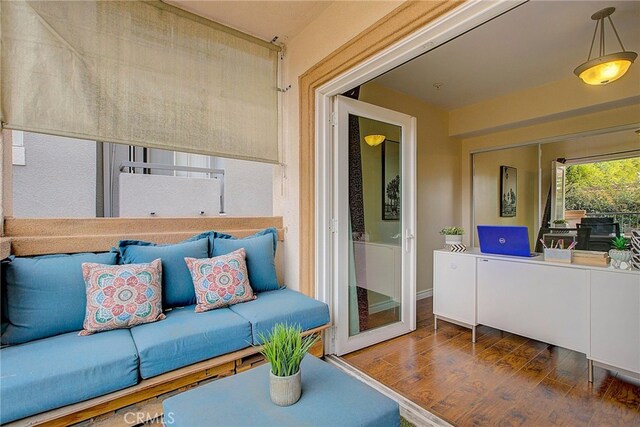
(374, 212)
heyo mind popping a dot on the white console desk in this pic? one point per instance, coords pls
(592, 310)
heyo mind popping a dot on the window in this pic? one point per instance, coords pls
(606, 189)
(64, 177)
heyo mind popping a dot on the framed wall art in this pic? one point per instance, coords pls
(391, 192)
(508, 191)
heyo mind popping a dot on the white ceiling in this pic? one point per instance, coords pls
(532, 45)
(263, 19)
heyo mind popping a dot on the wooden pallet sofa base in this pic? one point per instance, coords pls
(218, 367)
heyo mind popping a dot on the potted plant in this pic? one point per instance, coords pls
(452, 235)
(284, 349)
(620, 252)
(559, 223)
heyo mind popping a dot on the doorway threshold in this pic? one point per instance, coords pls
(410, 411)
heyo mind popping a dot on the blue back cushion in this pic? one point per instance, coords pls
(177, 286)
(45, 295)
(261, 250)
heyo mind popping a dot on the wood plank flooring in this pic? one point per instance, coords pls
(502, 379)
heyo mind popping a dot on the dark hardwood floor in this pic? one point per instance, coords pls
(502, 379)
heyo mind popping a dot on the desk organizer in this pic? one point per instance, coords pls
(596, 259)
(558, 255)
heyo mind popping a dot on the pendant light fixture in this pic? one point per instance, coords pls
(374, 140)
(606, 68)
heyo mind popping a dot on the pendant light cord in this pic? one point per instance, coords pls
(593, 40)
(602, 49)
(600, 24)
(616, 33)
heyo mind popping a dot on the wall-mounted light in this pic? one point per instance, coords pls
(374, 140)
(606, 68)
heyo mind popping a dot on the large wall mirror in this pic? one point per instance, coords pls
(584, 188)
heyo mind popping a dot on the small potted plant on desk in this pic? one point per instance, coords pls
(453, 238)
(284, 349)
(452, 235)
(559, 223)
(620, 253)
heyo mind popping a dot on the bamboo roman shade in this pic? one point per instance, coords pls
(139, 73)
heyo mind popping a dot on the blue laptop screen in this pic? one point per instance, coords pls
(504, 240)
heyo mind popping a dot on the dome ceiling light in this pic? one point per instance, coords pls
(374, 140)
(606, 68)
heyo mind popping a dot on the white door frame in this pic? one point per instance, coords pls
(341, 239)
(463, 18)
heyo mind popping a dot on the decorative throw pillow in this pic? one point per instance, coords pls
(260, 248)
(122, 296)
(220, 281)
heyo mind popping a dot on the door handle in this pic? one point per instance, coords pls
(408, 237)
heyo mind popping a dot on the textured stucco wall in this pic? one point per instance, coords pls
(58, 180)
(248, 187)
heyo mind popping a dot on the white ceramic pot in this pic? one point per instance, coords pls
(452, 239)
(618, 257)
(285, 391)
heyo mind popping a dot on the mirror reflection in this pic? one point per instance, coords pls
(583, 189)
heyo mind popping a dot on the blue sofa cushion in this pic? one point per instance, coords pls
(45, 296)
(260, 249)
(58, 371)
(177, 286)
(281, 306)
(187, 337)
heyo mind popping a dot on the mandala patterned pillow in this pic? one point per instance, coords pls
(122, 296)
(220, 281)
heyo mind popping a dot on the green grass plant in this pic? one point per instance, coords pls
(285, 347)
(620, 243)
(452, 231)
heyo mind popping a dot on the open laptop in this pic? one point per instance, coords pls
(505, 240)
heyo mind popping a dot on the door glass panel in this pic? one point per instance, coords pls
(375, 245)
(559, 195)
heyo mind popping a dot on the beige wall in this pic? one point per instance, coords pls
(487, 188)
(335, 26)
(562, 98)
(438, 166)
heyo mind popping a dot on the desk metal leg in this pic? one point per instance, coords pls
(590, 369)
(435, 322)
(473, 334)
